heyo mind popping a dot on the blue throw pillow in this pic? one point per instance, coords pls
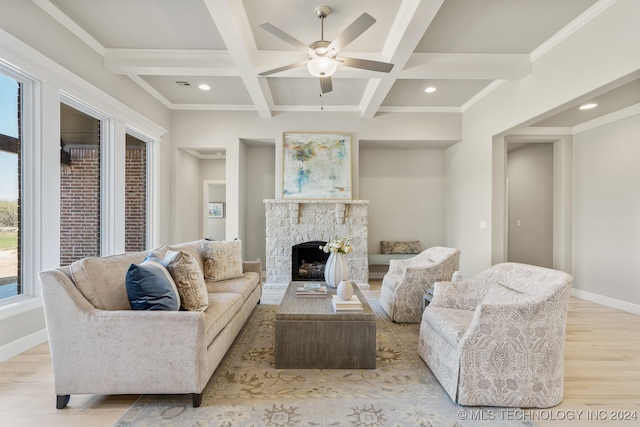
(150, 286)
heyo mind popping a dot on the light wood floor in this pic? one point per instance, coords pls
(602, 373)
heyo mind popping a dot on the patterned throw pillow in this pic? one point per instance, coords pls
(400, 247)
(222, 260)
(151, 287)
(188, 278)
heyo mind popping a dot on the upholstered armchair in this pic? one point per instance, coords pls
(407, 280)
(498, 338)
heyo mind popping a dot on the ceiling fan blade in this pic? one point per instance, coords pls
(366, 64)
(350, 33)
(283, 68)
(286, 37)
(325, 84)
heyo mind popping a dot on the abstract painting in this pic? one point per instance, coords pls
(316, 166)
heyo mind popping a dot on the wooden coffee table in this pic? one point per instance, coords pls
(310, 335)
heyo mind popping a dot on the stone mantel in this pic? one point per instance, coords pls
(294, 207)
(293, 221)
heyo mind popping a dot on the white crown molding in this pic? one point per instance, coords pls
(418, 109)
(170, 61)
(146, 86)
(575, 25)
(484, 92)
(24, 58)
(70, 25)
(213, 107)
(607, 118)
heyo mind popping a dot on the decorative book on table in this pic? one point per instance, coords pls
(311, 290)
(351, 305)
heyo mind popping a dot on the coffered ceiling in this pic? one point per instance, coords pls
(463, 48)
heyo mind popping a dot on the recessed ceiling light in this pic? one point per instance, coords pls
(430, 89)
(204, 86)
(588, 106)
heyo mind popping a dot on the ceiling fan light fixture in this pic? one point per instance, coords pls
(322, 66)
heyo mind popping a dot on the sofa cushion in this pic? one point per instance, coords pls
(151, 287)
(243, 285)
(222, 260)
(192, 248)
(102, 279)
(451, 324)
(400, 247)
(188, 278)
(222, 308)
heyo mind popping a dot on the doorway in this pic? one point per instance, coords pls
(214, 223)
(530, 168)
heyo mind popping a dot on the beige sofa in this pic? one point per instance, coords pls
(497, 339)
(99, 345)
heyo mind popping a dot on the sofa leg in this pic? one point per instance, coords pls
(62, 400)
(197, 399)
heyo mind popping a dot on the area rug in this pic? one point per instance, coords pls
(246, 389)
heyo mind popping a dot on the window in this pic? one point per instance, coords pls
(80, 173)
(135, 194)
(10, 147)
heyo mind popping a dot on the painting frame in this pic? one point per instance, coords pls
(216, 210)
(316, 165)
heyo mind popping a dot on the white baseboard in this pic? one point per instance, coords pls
(23, 344)
(606, 301)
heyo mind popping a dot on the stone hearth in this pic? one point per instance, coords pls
(291, 222)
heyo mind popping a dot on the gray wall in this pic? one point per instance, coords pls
(261, 170)
(530, 175)
(607, 210)
(405, 189)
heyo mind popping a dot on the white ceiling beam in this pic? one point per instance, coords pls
(231, 20)
(166, 62)
(163, 62)
(467, 66)
(409, 26)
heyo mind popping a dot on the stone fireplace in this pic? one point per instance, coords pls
(295, 222)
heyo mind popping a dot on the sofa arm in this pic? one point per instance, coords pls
(254, 266)
(99, 351)
(518, 352)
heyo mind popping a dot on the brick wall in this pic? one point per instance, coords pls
(136, 199)
(80, 205)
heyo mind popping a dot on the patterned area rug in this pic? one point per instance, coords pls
(246, 389)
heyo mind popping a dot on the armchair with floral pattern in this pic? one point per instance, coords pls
(406, 282)
(498, 338)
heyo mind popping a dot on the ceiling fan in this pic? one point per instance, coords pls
(323, 55)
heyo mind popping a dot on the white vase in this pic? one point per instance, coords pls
(345, 290)
(336, 269)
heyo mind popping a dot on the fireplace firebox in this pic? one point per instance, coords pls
(308, 261)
